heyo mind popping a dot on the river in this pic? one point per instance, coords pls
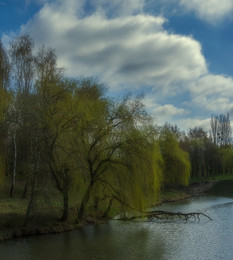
(173, 239)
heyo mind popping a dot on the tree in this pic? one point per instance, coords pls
(115, 148)
(221, 129)
(173, 129)
(22, 63)
(56, 119)
(227, 159)
(224, 130)
(176, 162)
(22, 72)
(197, 148)
(4, 103)
(4, 69)
(214, 128)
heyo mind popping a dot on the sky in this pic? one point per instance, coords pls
(177, 53)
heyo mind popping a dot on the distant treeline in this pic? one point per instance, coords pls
(67, 134)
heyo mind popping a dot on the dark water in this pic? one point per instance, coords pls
(139, 240)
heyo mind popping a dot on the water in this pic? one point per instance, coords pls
(171, 239)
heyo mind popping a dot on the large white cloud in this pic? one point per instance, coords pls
(210, 10)
(128, 50)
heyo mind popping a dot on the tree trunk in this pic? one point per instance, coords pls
(14, 170)
(32, 200)
(31, 203)
(65, 206)
(96, 203)
(25, 191)
(85, 200)
(105, 215)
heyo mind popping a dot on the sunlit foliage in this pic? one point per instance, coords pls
(176, 161)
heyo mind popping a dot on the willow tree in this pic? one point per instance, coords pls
(176, 161)
(113, 148)
(135, 181)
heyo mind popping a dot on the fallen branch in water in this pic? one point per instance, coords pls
(168, 214)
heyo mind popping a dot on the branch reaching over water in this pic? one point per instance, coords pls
(167, 215)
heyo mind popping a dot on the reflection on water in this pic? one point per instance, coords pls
(139, 240)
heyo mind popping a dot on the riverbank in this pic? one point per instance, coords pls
(52, 227)
(10, 229)
(180, 193)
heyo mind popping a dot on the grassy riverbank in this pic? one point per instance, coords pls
(12, 210)
(45, 217)
(221, 185)
(222, 188)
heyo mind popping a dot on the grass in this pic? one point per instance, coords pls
(13, 210)
(220, 177)
(222, 188)
(47, 212)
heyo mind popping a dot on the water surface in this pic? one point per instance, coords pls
(171, 239)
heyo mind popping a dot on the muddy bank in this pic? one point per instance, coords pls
(52, 228)
(198, 188)
(31, 231)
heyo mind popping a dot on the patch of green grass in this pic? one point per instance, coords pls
(220, 177)
(13, 210)
(222, 188)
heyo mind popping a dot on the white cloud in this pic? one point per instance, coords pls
(169, 110)
(132, 50)
(213, 84)
(187, 123)
(128, 49)
(209, 10)
(117, 7)
(166, 113)
(213, 92)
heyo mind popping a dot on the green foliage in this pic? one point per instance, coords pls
(2, 171)
(4, 104)
(102, 151)
(114, 150)
(141, 180)
(227, 159)
(176, 161)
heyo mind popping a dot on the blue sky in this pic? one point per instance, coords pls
(179, 53)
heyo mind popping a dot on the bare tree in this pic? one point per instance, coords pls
(214, 128)
(22, 62)
(221, 129)
(224, 129)
(4, 68)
